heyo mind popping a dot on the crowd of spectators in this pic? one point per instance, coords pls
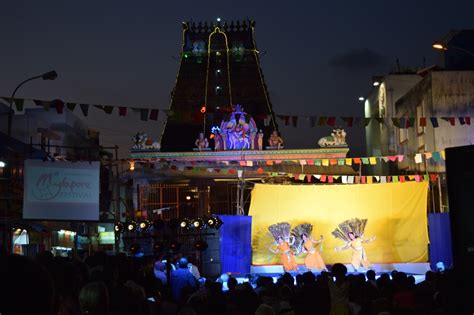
(116, 285)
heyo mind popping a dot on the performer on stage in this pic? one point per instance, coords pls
(313, 259)
(283, 241)
(352, 232)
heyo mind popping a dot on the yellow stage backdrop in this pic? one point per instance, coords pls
(396, 213)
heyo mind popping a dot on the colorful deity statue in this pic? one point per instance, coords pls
(201, 143)
(238, 132)
(275, 141)
(260, 140)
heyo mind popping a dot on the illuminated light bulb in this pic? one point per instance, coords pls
(376, 83)
(361, 98)
(132, 166)
(218, 19)
(188, 197)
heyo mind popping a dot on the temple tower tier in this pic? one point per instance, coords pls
(219, 69)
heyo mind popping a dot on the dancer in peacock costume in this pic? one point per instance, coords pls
(283, 243)
(305, 244)
(352, 232)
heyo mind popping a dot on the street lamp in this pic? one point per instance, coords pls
(51, 75)
(444, 47)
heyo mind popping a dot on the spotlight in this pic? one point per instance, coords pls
(118, 227)
(144, 225)
(201, 245)
(2, 164)
(131, 226)
(211, 222)
(185, 223)
(214, 222)
(198, 223)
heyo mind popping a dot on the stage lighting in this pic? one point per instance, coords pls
(214, 222)
(198, 223)
(211, 222)
(185, 223)
(131, 226)
(201, 245)
(118, 227)
(144, 225)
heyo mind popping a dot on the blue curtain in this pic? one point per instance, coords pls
(235, 244)
(440, 239)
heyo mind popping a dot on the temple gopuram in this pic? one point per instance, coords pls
(221, 135)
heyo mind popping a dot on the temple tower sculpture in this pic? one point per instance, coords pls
(219, 69)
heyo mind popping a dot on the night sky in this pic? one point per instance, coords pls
(320, 55)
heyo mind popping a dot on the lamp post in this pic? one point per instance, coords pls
(442, 46)
(51, 75)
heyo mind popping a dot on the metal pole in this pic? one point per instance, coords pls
(10, 113)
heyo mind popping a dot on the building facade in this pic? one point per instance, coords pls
(443, 95)
(381, 139)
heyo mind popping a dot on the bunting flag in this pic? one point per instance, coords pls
(196, 116)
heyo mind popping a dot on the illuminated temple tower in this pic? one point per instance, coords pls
(219, 68)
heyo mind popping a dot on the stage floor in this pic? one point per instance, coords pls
(417, 270)
(409, 268)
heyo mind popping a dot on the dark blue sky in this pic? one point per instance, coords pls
(320, 55)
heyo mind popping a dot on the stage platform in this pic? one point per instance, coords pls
(409, 268)
(417, 270)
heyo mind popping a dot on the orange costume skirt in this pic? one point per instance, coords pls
(287, 258)
(313, 259)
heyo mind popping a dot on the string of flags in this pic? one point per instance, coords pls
(319, 178)
(418, 158)
(147, 113)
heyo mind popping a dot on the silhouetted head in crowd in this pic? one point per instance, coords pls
(338, 270)
(232, 283)
(94, 299)
(27, 288)
(370, 275)
(429, 276)
(183, 263)
(160, 266)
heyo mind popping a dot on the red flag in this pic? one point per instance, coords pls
(308, 178)
(356, 160)
(331, 121)
(323, 178)
(433, 177)
(422, 121)
(330, 179)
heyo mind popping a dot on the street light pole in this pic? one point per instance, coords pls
(442, 46)
(47, 76)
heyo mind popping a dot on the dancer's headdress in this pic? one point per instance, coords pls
(356, 226)
(297, 232)
(281, 229)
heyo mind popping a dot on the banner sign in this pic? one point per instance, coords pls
(61, 190)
